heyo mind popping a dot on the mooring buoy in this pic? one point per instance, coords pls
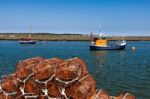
(133, 48)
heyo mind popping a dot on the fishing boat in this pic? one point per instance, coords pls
(102, 43)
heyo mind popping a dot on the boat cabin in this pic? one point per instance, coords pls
(101, 41)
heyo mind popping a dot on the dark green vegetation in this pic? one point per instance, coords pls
(64, 37)
(44, 36)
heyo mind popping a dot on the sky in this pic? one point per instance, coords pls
(114, 17)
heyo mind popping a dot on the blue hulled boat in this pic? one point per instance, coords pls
(101, 43)
(27, 42)
(111, 47)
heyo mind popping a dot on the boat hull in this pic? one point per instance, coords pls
(94, 47)
(27, 42)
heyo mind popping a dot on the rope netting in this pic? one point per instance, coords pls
(39, 78)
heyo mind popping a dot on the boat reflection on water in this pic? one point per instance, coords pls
(101, 53)
(107, 58)
(99, 65)
(100, 59)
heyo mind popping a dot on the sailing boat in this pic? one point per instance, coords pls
(102, 43)
(27, 40)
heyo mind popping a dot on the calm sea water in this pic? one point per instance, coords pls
(114, 71)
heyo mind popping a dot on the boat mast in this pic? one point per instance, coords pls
(29, 30)
(123, 41)
(91, 37)
(99, 31)
(123, 38)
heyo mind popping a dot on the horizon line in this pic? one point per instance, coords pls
(63, 33)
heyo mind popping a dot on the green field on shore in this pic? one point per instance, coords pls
(64, 37)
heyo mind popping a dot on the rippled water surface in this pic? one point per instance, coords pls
(114, 71)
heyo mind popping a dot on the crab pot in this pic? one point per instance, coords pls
(126, 96)
(31, 86)
(81, 63)
(34, 60)
(84, 89)
(42, 97)
(52, 63)
(27, 96)
(53, 90)
(45, 69)
(20, 97)
(21, 64)
(41, 65)
(3, 96)
(29, 62)
(67, 71)
(23, 73)
(70, 71)
(101, 94)
(61, 85)
(31, 96)
(10, 77)
(39, 78)
(10, 97)
(44, 74)
(9, 86)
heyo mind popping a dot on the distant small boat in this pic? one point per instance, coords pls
(27, 41)
(102, 43)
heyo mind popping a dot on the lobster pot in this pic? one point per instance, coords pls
(45, 69)
(43, 97)
(81, 63)
(54, 61)
(84, 89)
(20, 97)
(101, 94)
(53, 89)
(41, 65)
(29, 62)
(48, 63)
(66, 72)
(4, 96)
(9, 86)
(69, 71)
(39, 78)
(125, 96)
(34, 60)
(31, 86)
(27, 96)
(9, 90)
(44, 73)
(10, 77)
(23, 73)
(21, 64)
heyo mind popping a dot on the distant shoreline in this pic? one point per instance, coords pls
(64, 37)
